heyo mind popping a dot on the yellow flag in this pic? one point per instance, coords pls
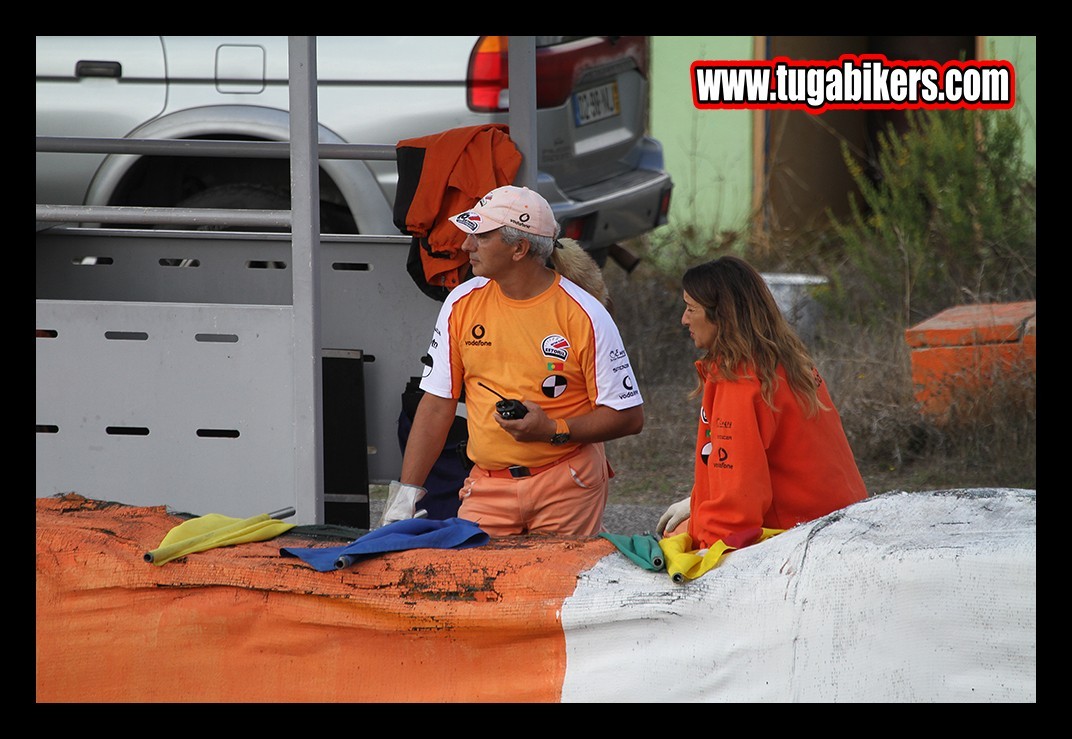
(215, 530)
(685, 563)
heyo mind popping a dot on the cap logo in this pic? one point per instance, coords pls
(517, 207)
(522, 221)
(470, 220)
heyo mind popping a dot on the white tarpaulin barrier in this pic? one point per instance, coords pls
(903, 597)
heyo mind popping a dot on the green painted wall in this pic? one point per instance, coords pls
(1020, 51)
(708, 152)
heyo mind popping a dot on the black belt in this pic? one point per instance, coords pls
(518, 470)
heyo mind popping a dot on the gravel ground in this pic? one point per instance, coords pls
(618, 519)
(632, 519)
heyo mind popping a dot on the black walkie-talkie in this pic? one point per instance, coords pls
(508, 409)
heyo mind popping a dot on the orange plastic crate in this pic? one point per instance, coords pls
(967, 349)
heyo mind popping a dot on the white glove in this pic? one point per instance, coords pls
(673, 517)
(402, 502)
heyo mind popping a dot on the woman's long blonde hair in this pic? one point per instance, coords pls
(571, 261)
(751, 334)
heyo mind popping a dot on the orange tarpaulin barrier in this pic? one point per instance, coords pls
(245, 624)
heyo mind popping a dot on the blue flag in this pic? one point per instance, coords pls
(411, 533)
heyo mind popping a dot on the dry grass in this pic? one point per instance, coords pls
(989, 441)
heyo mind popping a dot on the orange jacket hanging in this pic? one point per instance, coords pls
(441, 175)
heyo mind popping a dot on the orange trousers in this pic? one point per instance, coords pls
(567, 499)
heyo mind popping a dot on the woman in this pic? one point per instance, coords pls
(770, 449)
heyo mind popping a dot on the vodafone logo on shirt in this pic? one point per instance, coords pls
(477, 332)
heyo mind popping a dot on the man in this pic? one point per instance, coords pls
(519, 330)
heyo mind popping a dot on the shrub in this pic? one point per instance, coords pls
(949, 219)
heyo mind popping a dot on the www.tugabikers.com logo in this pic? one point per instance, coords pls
(852, 82)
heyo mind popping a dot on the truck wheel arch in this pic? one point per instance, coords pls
(352, 178)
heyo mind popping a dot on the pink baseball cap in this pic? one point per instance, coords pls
(519, 207)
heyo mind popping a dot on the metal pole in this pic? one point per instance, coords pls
(523, 106)
(305, 236)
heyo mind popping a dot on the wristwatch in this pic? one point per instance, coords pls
(561, 435)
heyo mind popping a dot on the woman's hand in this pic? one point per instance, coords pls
(675, 515)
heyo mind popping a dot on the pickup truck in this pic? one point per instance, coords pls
(602, 175)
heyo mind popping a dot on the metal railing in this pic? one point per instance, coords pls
(186, 148)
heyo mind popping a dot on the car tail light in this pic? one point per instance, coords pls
(488, 80)
(577, 229)
(664, 208)
(558, 67)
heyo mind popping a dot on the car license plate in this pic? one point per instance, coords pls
(595, 104)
